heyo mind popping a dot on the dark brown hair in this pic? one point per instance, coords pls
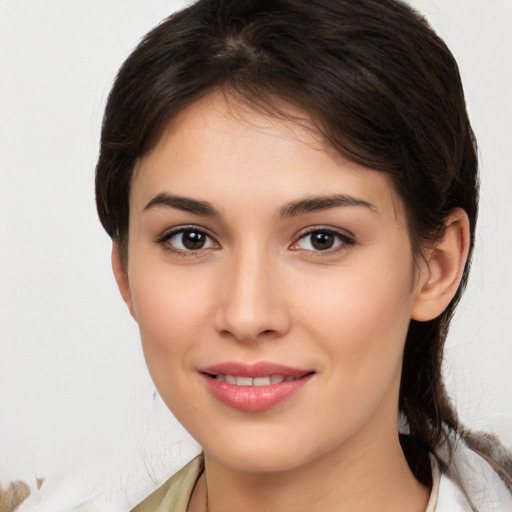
(381, 87)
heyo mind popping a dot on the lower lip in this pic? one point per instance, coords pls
(254, 398)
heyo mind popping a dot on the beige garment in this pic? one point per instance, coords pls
(174, 495)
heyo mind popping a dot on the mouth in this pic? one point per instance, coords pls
(254, 387)
(239, 380)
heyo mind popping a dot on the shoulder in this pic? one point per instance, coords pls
(469, 480)
(174, 494)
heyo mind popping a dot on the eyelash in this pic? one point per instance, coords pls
(344, 241)
(164, 241)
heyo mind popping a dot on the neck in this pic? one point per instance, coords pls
(362, 475)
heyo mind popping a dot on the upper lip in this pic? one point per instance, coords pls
(260, 369)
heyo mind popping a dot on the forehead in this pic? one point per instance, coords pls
(221, 146)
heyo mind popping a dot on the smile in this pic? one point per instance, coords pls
(254, 387)
(256, 381)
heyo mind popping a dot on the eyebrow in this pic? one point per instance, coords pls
(182, 203)
(313, 204)
(292, 209)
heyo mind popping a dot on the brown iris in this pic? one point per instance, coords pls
(322, 240)
(193, 240)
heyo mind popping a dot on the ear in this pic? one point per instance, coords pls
(121, 275)
(442, 270)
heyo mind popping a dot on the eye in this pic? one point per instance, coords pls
(187, 240)
(322, 240)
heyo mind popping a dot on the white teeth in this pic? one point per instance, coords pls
(261, 381)
(256, 381)
(243, 381)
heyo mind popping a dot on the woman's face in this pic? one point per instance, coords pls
(273, 284)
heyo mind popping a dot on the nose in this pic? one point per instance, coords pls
(251, 303)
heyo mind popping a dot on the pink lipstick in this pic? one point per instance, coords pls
(254, 387)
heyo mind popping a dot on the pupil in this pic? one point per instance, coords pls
(193, 240)
(322, 241)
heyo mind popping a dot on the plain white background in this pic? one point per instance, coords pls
(74, 393)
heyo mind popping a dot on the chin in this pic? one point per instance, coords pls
(259, 461)
(265, 452)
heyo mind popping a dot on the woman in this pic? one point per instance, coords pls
(291, 188)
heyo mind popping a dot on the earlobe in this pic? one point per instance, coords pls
(120, 273)
(443, 269)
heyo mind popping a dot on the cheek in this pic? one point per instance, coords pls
(172, 314)
(360, 326)
(362, 313)
(172, 310)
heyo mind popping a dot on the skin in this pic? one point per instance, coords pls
(258, 290)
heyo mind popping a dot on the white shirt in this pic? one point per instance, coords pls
(482, 484)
